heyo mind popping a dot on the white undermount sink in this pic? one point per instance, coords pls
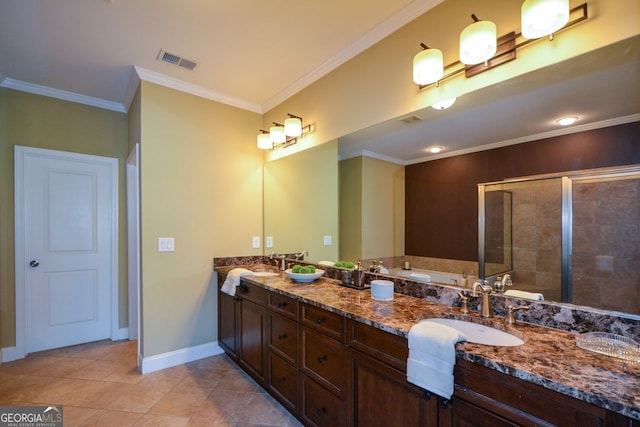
(481, 334)
(265, 274)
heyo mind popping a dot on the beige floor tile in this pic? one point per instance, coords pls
(101, 369)
(25, 388)
(74, 416)
(180, 404)
(264, 410)
(237, 381)
(135, 398)
(58, 392)
(151, 420)
(107, 418)
(227, 405)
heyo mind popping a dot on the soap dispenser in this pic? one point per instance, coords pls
(358, 276)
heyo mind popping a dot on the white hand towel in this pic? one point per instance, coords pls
(527, 295)
(432, 356)
(233, 280)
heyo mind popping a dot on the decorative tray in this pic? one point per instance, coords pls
(610, 345)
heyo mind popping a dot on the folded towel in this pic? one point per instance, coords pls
(432, 356)
(434, 380)
(383, 270)
(527, 295)
(233, 280)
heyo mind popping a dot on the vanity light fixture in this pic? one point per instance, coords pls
(428, 66)
(280, 136)
(566, 121)
(478, 42)
(543, 17)
(477, 60)
(443, 105)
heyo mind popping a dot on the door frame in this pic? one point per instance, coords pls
(21, 153)
(133, 241)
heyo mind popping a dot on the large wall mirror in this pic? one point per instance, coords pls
(598, 85)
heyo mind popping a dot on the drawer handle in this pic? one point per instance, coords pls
(282, 304)
(427, 395)
(322, 411)
(322, 359)
(322, 319)
(238, 299)
(282, 336)
(445, 403)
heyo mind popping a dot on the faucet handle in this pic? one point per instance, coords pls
(510, 318)
(464, 303)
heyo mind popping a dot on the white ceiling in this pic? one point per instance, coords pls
(255, 54)
(252, 53)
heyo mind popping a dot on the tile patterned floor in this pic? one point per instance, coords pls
(98, 385)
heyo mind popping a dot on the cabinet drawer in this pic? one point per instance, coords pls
(384, 346)
(252, 293)
(324, 359)
(320, 407)
(283, 337)
(328, 323)
(283, 382)
(283, 305)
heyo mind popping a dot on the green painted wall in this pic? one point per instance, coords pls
(201, 183)
(42, 122)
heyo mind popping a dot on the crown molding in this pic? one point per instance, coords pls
(544, 135)
(62, 94)
(182, 86)
(368, 39)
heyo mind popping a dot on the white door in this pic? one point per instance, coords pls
(68, 203)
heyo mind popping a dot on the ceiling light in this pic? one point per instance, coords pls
(566, 121)
(428, 66)
(435, 150)
(543, 17)
(478, 42)
(443, 105)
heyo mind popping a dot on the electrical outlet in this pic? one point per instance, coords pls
(327, 240)
(268, 242)
(256, 242)
(166, 244)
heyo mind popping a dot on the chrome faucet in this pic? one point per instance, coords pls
(501, 283)
(485, 291)
(300, 256)
(281, 260)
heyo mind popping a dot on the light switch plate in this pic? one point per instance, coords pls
(327, 240)
(268, 242)
(256, 242)
(166, 244)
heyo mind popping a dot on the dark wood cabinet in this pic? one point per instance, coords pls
(227, 331)
(383, 397)
(331, 371)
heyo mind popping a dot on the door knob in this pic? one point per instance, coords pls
(34, 263)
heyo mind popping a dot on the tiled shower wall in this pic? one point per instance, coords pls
(537, 237)
(606, 244)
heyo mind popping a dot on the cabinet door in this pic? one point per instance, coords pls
(320, 407)
(460, 413)
(283, 382)
(227, 336)
(252, 339)
(383, 397)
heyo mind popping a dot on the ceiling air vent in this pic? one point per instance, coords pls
(174, 59)
(411, 119)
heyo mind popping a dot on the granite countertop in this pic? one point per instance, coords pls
(549, 357)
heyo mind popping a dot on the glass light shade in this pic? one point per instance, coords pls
(293, 127)
(443, 105)
(264, 141)
(543, 17)
(428, 66)
(277, 135)
(478, 42)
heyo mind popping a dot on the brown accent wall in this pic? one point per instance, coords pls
(442, 195)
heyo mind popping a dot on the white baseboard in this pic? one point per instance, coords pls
(9, 354)
(178, 357)
(123, 334)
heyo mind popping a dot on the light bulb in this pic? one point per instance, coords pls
(478, 42)
(543, 17)
(277, 134)
(293, 127)
(428, 66)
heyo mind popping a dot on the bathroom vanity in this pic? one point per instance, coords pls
(334, 357)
